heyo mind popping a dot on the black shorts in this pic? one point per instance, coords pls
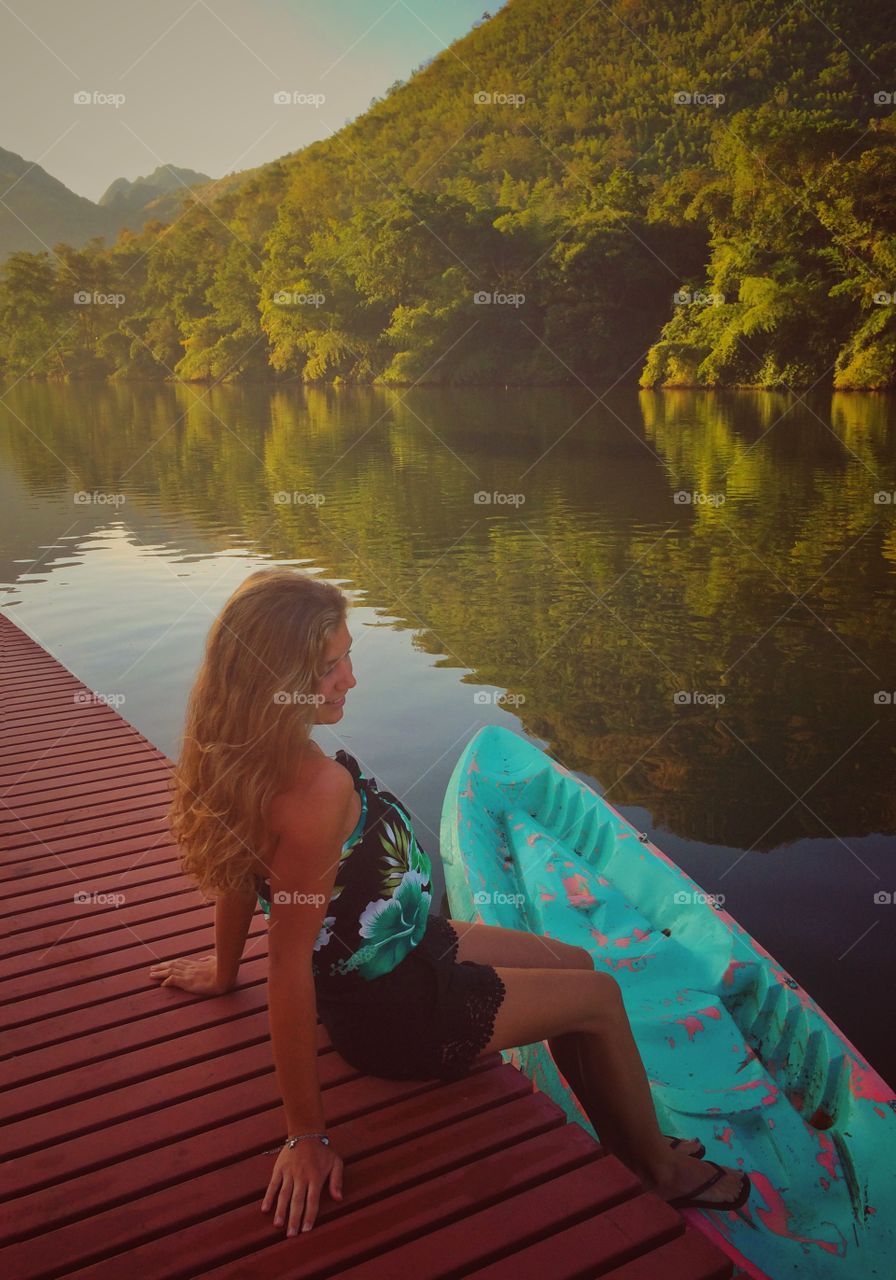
(430, 1018)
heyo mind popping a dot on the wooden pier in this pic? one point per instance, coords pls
(135, 1117)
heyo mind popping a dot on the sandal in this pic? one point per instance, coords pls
(675, 1142)
(692, 1199)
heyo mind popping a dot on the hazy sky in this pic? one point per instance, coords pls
(199, 77)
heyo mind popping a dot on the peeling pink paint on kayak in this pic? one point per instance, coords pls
(691, 1024)
(866, 1083)
(827, 1157)
(577, 892)
(728, 975)
(776, 1216)
(638, 935)
(712, 1012)
(770, 1097)
(627, 962)
(726, 1135)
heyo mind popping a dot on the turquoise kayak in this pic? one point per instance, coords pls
(737, 1053)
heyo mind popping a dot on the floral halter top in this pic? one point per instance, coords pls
(380, 902)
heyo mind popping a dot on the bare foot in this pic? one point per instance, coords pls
(683, 1174)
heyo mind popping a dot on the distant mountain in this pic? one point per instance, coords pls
(129, 198)
(39, 211)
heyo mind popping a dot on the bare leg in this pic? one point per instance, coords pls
(491, 944)
(566, 1051)
(546, 1004)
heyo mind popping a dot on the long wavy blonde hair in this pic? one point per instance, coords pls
(249, 716)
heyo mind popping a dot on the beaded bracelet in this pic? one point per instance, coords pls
(291, 1142)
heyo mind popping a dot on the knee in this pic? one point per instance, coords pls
(583, 958)
(606, 1005)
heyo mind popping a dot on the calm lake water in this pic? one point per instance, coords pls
(688, 598)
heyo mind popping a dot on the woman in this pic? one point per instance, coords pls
(260, 810)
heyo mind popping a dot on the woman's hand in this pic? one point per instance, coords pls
(300, 1174)
(191, 974)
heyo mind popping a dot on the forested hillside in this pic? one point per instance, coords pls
(700, 195)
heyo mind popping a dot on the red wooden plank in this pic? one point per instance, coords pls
(74, 1090)
(629, 1230)
(62, 811)
(45, 795)
(88, 935)
(82, 759)
(509, 1181)
(72, 746)
(689, 1257)
(148, 828)
(132, 1023)
(51, 974)
(225, 1202)
(93, 824)
(102, 1004)
(479, 1235)
(140, 869)
(228, 1131)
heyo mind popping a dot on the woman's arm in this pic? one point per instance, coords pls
(292, 1010)
(308, 855)
(233, 916)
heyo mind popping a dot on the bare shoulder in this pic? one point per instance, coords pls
(314, 807)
